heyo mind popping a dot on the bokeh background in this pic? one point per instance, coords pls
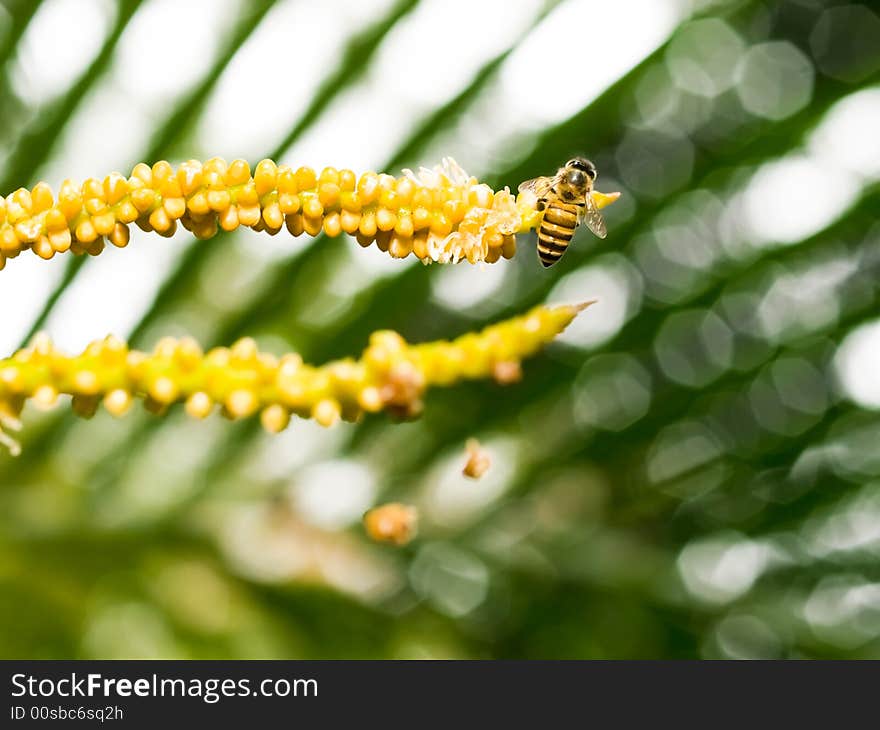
(692, 471)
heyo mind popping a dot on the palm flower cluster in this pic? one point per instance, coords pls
(440, 215)
(391, 375)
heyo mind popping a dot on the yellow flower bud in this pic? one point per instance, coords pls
(118, 402)
(478, 460)
(199, 405)
(392, 523)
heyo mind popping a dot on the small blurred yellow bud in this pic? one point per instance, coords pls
(392, 523)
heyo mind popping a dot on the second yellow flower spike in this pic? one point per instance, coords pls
(391, 375)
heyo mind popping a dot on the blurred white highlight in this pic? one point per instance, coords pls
(722, 568)
(409, 80)
(852, 526)
(580, 49)
(844, 610)
(577, 52)
(461, 288)
(702, 56)
(454, 581)
(617, 287)
(775, 80)
(848, 135)
(798, 195)
(94, 142)
(790, 199)
(857, 363)
(267, 542)
(612, 391)
(113, 290)
(271, 81)
(58, 45)
(334, 494)
(452, 500)
(169, 45)
(27, 282)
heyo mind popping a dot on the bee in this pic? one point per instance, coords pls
(565, 198)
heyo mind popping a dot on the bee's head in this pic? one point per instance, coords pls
(578, 169)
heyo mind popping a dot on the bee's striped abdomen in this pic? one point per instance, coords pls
(557, 228)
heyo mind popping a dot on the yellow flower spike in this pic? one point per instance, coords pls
(439, 214)
(391, 375)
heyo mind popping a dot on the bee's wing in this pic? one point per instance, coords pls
(540, 186)
(592, 217)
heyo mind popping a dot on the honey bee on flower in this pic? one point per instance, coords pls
(566, 200)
